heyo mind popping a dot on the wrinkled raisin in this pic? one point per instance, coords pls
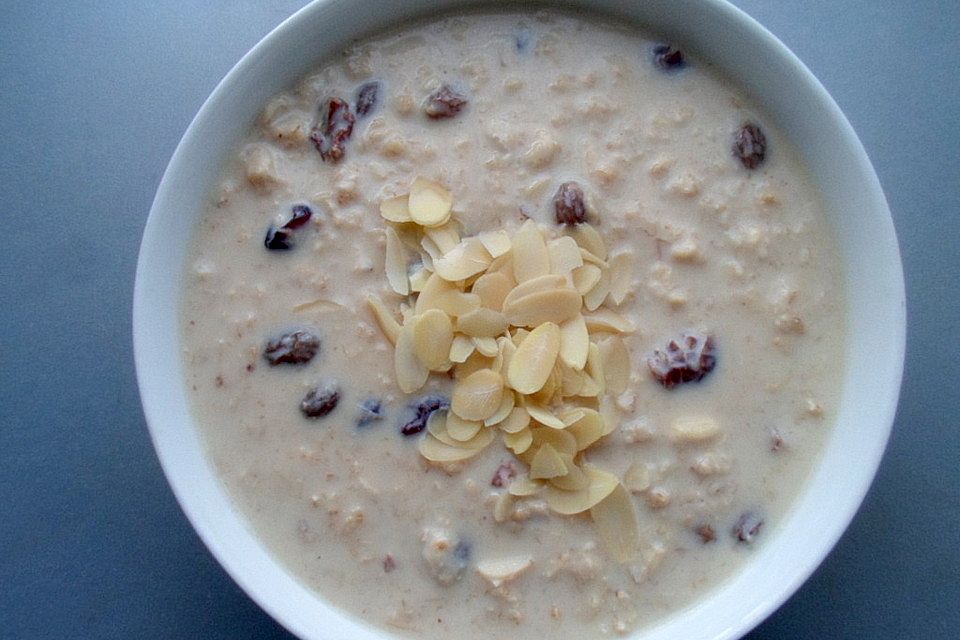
(296, 347)
(747, 527)
(278, 239)
(367, 96)
(445, 102)
(371, 410)
(568, 205)
(687, 359)
(301, 216)
(706, 533)
(503, 475)
(331, 135)
(667, 57)
(750, 145)
(321, 400)
(421, 412)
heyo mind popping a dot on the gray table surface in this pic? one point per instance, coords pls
(93, 99)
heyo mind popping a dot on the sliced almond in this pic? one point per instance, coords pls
(395, 209)
(574, 480)
(436, 451)
(547, 464)
(571, 381)
(595, 297)
(533, 362)
(607, 321)
(615, 359)
(437, 427)
(502, 570)
(574, 342)
(586, 278)
(492, 289)
(553, 306)
(516, 421)
(432, 338)
(474, 363)
(466, 259)
(385, 320)
(594, 367)
(497, 243)
(445, 238)
(601, 485)
(396, 263)
(694, 429)
(461, 348)
(505, 350)
(418, 279)
(503, 264)
(562, 441)
(587, 429)
(503, 507)
(485, 323)
(549, 282)
(530, 257)
(503, 411)
(564, 255)
(522, 487)
(592, 259)
(609, 414)
(588, 238)
(487, 346)
(621, 267)
(518, 442)
(544, 416)
(429, 203)
(616, 520)
(410, 371)
(478, 396)
(459, 429)
(589, 388)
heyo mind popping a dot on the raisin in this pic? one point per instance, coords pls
(750, 145)
(445, 102)
(389, 563)
(301, 216)
(296, 347)
(706, 533)
(503, 475)
(371, 410)
(278, 239)
(422, 410)
(687, 359)
(330, 137)
(367, 96)
(668, 58)
(321, 401)
(747, 527)
(568, 204)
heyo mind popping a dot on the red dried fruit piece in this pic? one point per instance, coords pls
(389, 564)
(282, 239)
(667, 57)
(444, 103)
(750, 145)
(568, 205)
(367, 96)
(747, 527)
(301, 216)
(296, 347)
(422, 410)
(321, 401)
(503, 475)
(687, 359)
(330, 137)
(706, 533)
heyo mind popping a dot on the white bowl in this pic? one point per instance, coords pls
(713, 30)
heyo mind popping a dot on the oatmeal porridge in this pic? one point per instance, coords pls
(510, 325)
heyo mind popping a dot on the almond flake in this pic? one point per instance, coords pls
(547, 282)
(553, 306)
(418, 279)
(478, 396)
(533, 362)
(461, 348)
(432, 338)
(502, 570)
(445, 238)
(615, 359)
(487, 346)
(506, 349)
(588, 238)
(492, 289)
(530, 257)
(466, 259)
(497, 243)
(459, 429)
(501, 414)
(484, 323)
(518, 442)
(564, 255)
(516, 421)
(693, 429)
(595, 297)
(616, 520)
(620, 276)
(395, 209)
(594, 367)
(410, 371)
(588, 429)
(385, 320)
(574, 480)
(601, 485)
(523, 486)
(474, 363)
(586, 278)
(437, 427)
(574, 342)
(547, 464)
(396, 263)
(560, 440)
(605, 320)
(544, 417)
(436, 451)
(429, 203)
(571, 381)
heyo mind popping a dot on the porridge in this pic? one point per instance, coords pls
(513, 325)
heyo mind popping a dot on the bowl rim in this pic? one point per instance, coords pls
(276, 603)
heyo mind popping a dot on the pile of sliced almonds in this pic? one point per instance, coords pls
(519, 321)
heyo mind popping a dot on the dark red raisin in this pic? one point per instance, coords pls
(568, 205)
(667, 57)
(331, 134)
(296, 347)
(503, 475)
(389, 563)
(686, 359)
(371, 410)
(421, 412)
(301, 216)
(750, 145)
(367, 96)
(278, 239)
(321, 401)
(747, 527)
(445, 102)
(706, 533)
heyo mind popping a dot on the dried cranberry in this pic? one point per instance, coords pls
(296, 347)
(321, 401)
(503, 475)
(367, 96)
(371, 410)
(278, 239)
(750, 145)
(331, 135)
(422, 410)
(568, 205)
(706, 533)
(747, 527)
(444, 103)
(668, 58)
(687, 359)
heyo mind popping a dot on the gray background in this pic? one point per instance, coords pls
(93, 99)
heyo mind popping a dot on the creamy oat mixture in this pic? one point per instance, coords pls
(713, 232)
